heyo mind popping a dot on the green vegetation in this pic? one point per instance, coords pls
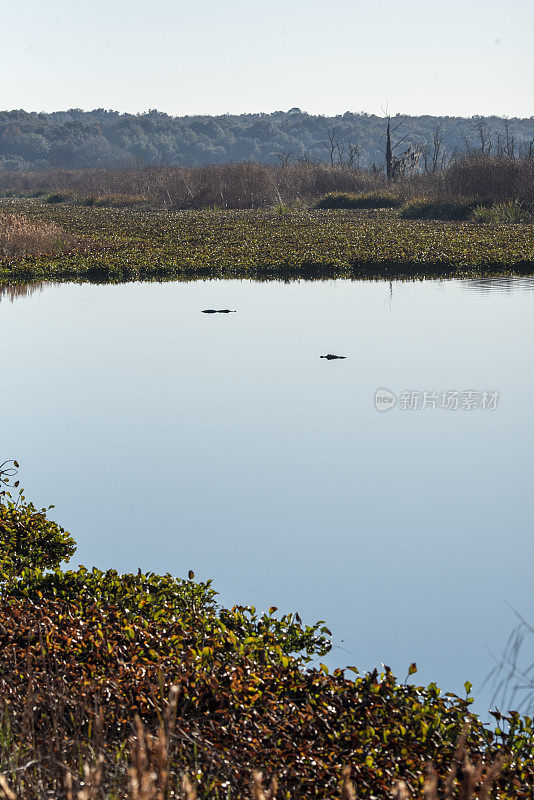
(508, 212)
(57, 197)
(498, 213)
(30, 541)
(82, 651)
(120, 244)
(438, 208)
(366, 200)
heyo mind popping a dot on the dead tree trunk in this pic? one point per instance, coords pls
(389, 155)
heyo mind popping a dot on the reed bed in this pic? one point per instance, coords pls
(236, 186)
(22, 236)
(484, 179)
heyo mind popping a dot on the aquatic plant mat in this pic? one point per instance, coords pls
(115, 245)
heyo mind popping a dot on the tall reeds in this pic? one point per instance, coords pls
(253, 185)
(22, 236)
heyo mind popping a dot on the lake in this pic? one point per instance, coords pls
(174, 440)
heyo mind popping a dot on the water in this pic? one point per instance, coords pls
(174, 440)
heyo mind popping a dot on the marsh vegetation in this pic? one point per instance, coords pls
(117, 245)
(252, 220)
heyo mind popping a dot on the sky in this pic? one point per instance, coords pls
(458, 58)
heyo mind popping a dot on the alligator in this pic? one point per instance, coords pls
(218, 311)
(331, 356)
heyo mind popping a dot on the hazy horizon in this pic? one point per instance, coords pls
(475, 58)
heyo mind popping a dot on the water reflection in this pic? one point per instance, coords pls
(14, 291)
(502, 285)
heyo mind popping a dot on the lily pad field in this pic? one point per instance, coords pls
(111, 244)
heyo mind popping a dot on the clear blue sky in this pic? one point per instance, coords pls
(459, 57)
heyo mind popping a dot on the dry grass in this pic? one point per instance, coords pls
(20, 236)
(225, 186)
(492, 180)
(251, 185)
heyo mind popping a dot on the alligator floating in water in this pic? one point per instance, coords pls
(218, 311)
(331, 356)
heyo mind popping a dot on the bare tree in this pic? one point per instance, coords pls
(391, 147)
(284, 158)
(398, 165)
(341, 153)
(307, 159)
(406, 163)
(434, 155)
(509, 139)
(484, 135)
(354, 156)
(332, 144)
(437, 144)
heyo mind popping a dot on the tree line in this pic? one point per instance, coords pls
(77, 139)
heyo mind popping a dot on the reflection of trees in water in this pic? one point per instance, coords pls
(14, 290)
(504, 284)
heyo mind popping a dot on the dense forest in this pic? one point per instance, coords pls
(76, 139)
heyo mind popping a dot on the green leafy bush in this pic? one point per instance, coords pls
(58, 197)
(508, 212)
(436, 208)
(348, 200)
(147, 598)
(113, 201)
(28, 540)
(251, 702)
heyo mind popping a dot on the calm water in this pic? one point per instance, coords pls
(175, 440)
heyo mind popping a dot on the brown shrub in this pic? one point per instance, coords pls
(22, 236)
(227, 186)
(250, 185)
(491, 179)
